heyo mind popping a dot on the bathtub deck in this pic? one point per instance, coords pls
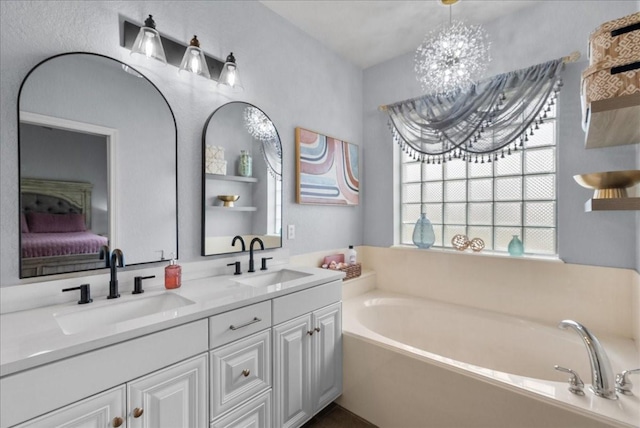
(335, 416)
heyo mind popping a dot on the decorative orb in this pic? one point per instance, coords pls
(476, 244)
(460, 242)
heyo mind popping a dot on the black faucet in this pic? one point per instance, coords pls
(117, 259)
(104, 255)
(253, 241)
(238, 237)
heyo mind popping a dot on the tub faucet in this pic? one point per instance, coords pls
(253, 241)
(602, 378)
(116, 259)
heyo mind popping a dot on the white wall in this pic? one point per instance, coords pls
(548, 30)
(293, 78)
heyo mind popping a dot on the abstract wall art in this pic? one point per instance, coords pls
(327, 170)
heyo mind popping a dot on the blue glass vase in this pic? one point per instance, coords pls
(516, 249)
(423, 234)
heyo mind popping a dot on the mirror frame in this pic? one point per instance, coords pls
(203, 212)
(175, 126)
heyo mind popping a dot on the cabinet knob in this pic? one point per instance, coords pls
(310, 332)
(246, 373)
(317, 329)
(137, 412)
(117, 421)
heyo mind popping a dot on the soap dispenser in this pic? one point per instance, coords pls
(172, 275)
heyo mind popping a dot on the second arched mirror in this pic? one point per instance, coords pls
(241, 179)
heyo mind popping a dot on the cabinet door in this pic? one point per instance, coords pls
(102, 410)
(326, 347)
(291, 376)
(170, 398)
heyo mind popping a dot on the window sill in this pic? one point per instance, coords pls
(483, 253)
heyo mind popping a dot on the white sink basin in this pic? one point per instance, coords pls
(273, 278)
(76, 321)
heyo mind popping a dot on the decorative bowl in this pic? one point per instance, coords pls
(228, 200)
(609, 184)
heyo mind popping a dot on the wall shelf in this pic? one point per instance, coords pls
(613, 122)
(216, 207)
(231, 178)
(618, 204)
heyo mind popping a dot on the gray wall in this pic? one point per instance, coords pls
(57, 154)
(548, 30)
(291, 76)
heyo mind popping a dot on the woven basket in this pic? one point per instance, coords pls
(352, 271)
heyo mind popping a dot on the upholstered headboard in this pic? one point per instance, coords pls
(56, 197)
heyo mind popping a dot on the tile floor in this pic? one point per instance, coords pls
(334, 416)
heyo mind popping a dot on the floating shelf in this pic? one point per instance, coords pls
(613, 122)
(617, 204)
(232, 178)
(215, 207)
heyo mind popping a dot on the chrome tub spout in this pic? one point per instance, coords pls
(602, 377)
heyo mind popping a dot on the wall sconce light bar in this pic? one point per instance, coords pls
(174, 51)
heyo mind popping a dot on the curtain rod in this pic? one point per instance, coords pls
(572, 57)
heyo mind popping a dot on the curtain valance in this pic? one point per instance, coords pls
(492, 116)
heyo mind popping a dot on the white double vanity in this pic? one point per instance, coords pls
(259, 350)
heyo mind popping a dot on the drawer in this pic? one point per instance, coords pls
(255, 413)
(295, 304)
(239, 323)
(239, 371)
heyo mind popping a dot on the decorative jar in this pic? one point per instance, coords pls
(516, 249)
(423, 234)
(245, 164)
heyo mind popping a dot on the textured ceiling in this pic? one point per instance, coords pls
(371, 32)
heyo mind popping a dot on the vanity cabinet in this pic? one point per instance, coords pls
(173, 397)
(107, 409)
(307, 355)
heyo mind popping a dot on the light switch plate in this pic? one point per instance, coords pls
(291, 231)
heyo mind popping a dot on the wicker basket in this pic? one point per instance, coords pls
(352, 271)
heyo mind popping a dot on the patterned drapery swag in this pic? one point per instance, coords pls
(486, 121)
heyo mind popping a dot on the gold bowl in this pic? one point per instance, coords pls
(228, 200)
(609, 184)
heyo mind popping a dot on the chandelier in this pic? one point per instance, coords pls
(452, 57)
(258, 124)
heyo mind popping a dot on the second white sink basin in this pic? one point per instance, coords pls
(79, 320)
(272, 278)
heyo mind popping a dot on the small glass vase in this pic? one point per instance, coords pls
(516, 249)
(245, 164)
(423, 234)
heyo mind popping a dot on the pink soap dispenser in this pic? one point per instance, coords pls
(172, 275)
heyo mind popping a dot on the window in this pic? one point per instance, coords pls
(515, 195)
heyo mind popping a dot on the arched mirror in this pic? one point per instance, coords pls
(98, 166)
(242, 179)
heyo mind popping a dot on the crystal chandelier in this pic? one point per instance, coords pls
(258, 124)
(452, 57)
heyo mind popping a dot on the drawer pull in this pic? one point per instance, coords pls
(137, 412)
(246, 373)
(253, 321)
(117, 421)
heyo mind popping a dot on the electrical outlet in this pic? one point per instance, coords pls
(291, 231)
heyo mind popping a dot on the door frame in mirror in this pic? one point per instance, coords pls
(109, 133)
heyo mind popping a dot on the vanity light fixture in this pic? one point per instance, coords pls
(194, 60)
(229, 75)
(148, 42)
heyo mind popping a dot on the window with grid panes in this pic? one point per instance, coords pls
(515, 195)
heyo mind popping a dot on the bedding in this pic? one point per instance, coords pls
(45, 244)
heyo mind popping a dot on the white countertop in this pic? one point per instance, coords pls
(33, 337)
